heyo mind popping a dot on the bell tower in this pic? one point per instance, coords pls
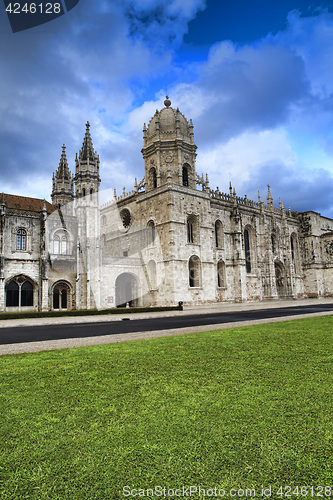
(169, 151)
(87, 181)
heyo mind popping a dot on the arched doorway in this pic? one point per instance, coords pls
(126, 290)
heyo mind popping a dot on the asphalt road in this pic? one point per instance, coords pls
(16, 335)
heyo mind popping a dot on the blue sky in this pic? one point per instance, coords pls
(256, 78)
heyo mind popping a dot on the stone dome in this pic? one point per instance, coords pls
(169, 123)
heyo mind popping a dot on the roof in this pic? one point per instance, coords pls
(28, 204)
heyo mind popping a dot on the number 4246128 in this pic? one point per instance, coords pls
(34, 8)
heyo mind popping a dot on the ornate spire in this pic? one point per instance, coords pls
(62, 184)
(87, 178)
(63, 170)
(87, 152)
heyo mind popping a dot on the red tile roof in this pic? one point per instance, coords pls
(28, 204)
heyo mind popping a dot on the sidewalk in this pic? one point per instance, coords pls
(108, 339)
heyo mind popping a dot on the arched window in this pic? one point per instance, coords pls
(221, 281)
(64, 245)
(12, 295)
(104, 220)
(60, 296)
(194, 269)
(21, 239)
(56, 245)
(60, 243)
(218, 234)
(247, 251)
(83, 192)
(185, 175)
(18, 294)
(91, 193)
(151, 233)
(27, 298)
(192, 229)
(153, 177)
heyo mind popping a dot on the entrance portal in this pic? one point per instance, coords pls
(126, 290)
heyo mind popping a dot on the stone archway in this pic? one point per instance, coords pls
(126, 290)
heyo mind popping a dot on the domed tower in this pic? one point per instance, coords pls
(62, 186)
(169, 151)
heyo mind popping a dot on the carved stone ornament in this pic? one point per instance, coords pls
(329, 248)
(169, 158)
(20, 279)
(152, 161)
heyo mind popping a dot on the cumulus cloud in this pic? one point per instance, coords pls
(262, 113)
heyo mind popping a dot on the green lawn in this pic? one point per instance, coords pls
(237, 408)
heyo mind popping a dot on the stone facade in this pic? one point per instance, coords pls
(172, 238)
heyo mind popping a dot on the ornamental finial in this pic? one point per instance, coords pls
(167, 102)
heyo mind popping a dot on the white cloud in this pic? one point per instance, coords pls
(253, 107)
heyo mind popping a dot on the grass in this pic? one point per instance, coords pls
(237, 408)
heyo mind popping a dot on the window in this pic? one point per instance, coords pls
(221, 274)
(104, 220)
(192, 229)
(83, 192)
(60, 296)
(63, 245)
(190, 238)
(18, 294)
(26, 294)
(21, 239)
(194, 268)
(12, 296)
(60, 244)
(56, 294)
(56, 245)
(64, 298)
(151, 233)
(185, 176)
(273, 243)
(126, 218)
(153, 177)
(247, 251)
(91, 193)
(218, 234)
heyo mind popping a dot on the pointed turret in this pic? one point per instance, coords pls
(87, 178)
(62, 189)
